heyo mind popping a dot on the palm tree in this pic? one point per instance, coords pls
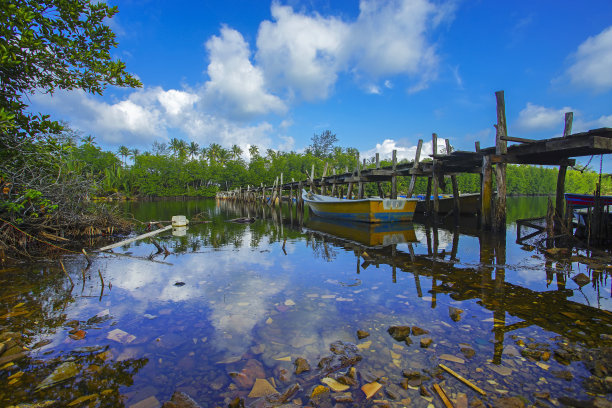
(223, 156)
(124, 152)
(134, 153)
(213, 152)
(175, 145)
(253, 151)
(236, 151)
(88, 140)
(193, 149)
(204, 153)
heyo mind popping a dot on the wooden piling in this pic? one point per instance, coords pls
(501, 149)
(393, 176)
(378, 186)
(434, 175)
(560, 193)
(415, 167)
(361, 186)
(456, 208)
(486, 192)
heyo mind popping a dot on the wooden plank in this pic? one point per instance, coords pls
(463, 379)
(138, 238)
(518, 139)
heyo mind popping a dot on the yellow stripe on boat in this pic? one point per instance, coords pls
(372, 210)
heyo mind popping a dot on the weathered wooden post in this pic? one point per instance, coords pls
(393, 176)
(486, 192)
(360, 192)
(280, 191)
(428, 196)
(501, 149)
(415, 167)
(312, 183)
(560, 194)
(380, 191)
(434, 173)
(323, 187)
(333, 189)
(300, 200)
(456, 208)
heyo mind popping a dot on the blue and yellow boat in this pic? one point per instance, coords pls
(374, 210)
(366, 234)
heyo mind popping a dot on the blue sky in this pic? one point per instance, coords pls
(380, 74)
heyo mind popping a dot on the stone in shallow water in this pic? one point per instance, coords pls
(399, 333)
(262, 388)
(362, 334)
(180, 400)
(150, 402)
(301, 365)
(501, 370)
(370, 389)
(426, 342)
(63, 372)
(334, 385)
(450, 357)
(454, 313)
(417, 331)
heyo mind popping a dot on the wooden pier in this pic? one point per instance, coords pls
(488, 162)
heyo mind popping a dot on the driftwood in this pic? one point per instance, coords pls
(138, 238)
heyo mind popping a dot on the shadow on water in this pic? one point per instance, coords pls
(229, 303)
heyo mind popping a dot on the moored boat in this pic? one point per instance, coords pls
(374, 210)
(586, 200)
(366, 234)
(468, 203)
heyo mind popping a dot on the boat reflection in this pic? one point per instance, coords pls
(368, 235)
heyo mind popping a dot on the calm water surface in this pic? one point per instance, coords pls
(230, 303)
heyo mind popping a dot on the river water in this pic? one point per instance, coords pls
(227, 308)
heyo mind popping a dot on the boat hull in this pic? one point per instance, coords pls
(367, 210)
(586, 200)
(366, 234)
(468, 204)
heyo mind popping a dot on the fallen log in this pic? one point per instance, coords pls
(138, 238)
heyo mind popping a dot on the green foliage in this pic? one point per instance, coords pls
(53, 44)
(45, 46)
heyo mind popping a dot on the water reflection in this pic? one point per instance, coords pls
(226, 303)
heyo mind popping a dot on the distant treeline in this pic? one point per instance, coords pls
(181, 169)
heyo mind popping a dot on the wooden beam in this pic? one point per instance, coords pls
(518, 139)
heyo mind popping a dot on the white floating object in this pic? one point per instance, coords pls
(179, 221)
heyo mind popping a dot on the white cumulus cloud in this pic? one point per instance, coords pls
(592, 65)
(301, 53)
(404, 151)
(534, 118)
(236, 87)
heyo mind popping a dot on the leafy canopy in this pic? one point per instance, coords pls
(47, 45)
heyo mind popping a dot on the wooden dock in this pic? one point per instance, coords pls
(488, 162)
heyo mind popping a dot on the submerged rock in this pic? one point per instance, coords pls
(181, 400)
(362, 334)
(301, 365)
(399, 333)
(454, 313)
(63, 372)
